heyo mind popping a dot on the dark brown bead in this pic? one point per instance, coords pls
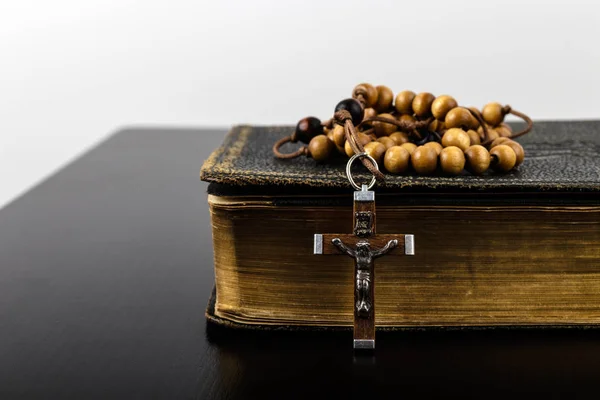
(424, 160)
(422, 104)
(353, 107)
(477, 159)
(441, 105)
(320, 148)
(307, 128)
(492, 113)
(385, 97)
(504, 158)
(396, 159)
(452, 160)
(403, 102)
(368, 93)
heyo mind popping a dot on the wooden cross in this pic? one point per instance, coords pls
(364, 246)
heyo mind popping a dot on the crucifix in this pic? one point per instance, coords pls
(363, 245)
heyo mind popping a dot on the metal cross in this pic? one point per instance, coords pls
(364, 246)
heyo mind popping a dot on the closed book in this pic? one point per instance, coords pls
(516, 249)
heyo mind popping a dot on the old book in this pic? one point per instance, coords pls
(521, 249)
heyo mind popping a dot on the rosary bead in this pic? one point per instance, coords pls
(502, 131)
(339, 135)
(474, 137)
(436, 126)
(492, 113)
(385, 97)
(441, 105)
(320, 148)
(399, 137)
(507, 126)
(477, 159)
(410, 147)
(369, 113)
(459, 117)
(383, 128)
(362, 139)
(422, 104)
(375, 150)
(456, 137)
(307, 128)
(424, 160)
(492, 134)
(387, 141)
(434, 145)
(403, 102)
(498, 141)
(368, 92)
(518, 149)
(396, 159)
(504, 158)
(452, 160)
(353, 107)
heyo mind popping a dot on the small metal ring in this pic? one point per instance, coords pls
(349, 172)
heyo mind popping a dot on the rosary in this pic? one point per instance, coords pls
(417, 133)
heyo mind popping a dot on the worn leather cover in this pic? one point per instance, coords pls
(561, 157)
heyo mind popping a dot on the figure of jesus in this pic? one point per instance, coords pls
(363, 257)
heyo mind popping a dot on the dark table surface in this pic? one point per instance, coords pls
(106, 269)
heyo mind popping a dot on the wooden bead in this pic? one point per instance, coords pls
(362, 139)
(387, 141)
(339, 135)
(434, 145)
(452, 160)
(456, 137)
(504, 158)
(518, 149)
(492, 134)
(353, 107)
(499, 141)
(441, 105)
(424, 160)
(396, 159)
(492, 113)
(375, 150)
(474, 137)
(503, 132)
(383, 128)
(368, 92)
(328, 133)
(406, 118)
(320, 148)
(399, 138)
(369, 113)
(459, 117)
(410, 147)
(385, 98)
(507, 126)
(436, 126)
(477, 159)
(403, 102)
(421, 104)
(307, 128)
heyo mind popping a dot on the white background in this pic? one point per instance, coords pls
(74, 71)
